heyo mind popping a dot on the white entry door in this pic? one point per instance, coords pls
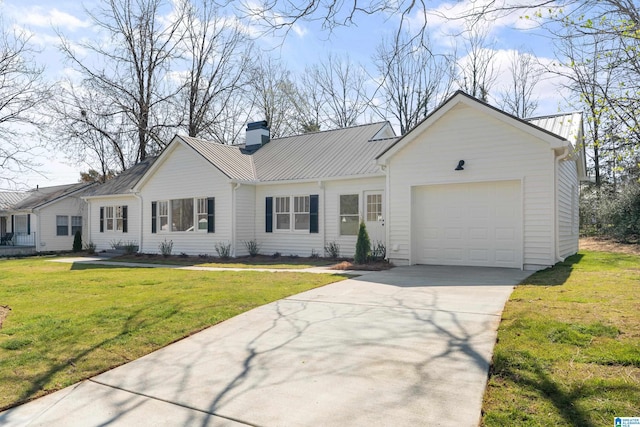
(374, 216)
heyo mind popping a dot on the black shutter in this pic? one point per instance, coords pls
(211, 215)
(124, 219)
(154, 207)
(313, 213)
(13, 225)
(102, 220)
(28, 223)
(268, 215)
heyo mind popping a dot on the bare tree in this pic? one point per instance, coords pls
(414, 80)
(525, 73)
(217, 51)
(273, 89)
(129, 69)
(477, 70)
(22, 91)
(342, 84)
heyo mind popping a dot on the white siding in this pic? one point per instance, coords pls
(185, 174)
(287, 242)
(492, 151)
(567, 194)
(44, 224)
(103, 240)
(332, 208)
(245, 217)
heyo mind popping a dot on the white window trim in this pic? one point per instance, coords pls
(358, 215)
(169, 214)
(114, 228)
(291, 213)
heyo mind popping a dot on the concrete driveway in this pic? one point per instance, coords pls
(409, 346)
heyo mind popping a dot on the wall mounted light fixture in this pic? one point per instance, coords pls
(460, 165)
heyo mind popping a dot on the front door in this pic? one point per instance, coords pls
(374, 216)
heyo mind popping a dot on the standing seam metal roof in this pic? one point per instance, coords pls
(342, 152)
(334, 153)
(565, 125)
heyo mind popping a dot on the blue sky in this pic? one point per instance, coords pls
(304, 45)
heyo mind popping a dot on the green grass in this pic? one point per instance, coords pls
(70, 322)
(568, 349)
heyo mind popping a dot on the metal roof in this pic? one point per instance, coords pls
(123, 183)
(334, 153)
(43, 195)
(565, 125)
(229, 159)
(8, 199)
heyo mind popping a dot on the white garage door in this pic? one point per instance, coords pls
(477, 224)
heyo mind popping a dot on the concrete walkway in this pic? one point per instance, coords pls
(409, 346)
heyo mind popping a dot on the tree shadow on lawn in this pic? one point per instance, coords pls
(134, 323)
(556, 275)
(526, 372)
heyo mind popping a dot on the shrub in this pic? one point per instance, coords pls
(378, 251)
(90, 248)
(363, 245)
(276, 255)
(130, 247)
(115, 244)
(253, 247)
(77, 241)
(314, 254)
(166, 247)
(223, 250)
(332, 250)
(623, 214)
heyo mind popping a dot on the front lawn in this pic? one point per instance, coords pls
(70, 322)
(568, 349)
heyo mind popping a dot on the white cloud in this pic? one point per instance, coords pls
(46, 18)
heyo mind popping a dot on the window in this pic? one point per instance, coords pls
(21, 224)
(62, 225)
(349, 217)
(112, 218)
(301, 217)
(283, 213)
(202, 215)
(109, 217)
(76, 225)
(163, 216)
(374, 207)
(119, 220)
(182, 215)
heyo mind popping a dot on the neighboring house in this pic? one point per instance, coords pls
(8, 199)
(48, 217)
(511, 203)
(115, 210)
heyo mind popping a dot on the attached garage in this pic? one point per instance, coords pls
(471, 185)
(477, 224)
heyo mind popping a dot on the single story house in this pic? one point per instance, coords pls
(469, 185)
(45, 218)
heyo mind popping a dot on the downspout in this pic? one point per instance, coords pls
(141, 228)
(233, 217)
(561, 157)
(36, 238)
(88, 219)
